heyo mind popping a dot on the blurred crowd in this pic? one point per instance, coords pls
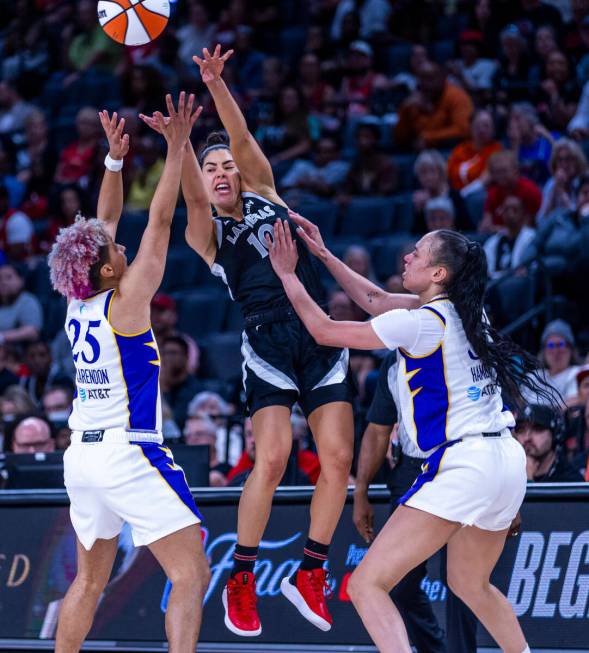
(383, 119)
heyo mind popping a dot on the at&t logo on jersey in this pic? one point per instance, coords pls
(474, 393)
(83, 394)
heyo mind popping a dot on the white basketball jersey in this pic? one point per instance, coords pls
(117, 375)
(448, 394)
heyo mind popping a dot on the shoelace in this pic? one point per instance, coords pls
(321, 586)
(244, 596)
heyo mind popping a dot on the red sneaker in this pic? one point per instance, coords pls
(239, 601)
(308, 595)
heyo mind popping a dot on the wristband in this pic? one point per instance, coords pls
(114, 165)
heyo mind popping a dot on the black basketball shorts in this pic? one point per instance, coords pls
(282, 365)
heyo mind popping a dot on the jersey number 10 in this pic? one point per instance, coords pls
(259, 241)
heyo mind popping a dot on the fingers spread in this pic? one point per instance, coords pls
(170, 105)
(181, 104)
(197, 60)
(227, 55)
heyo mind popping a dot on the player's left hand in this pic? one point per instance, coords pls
(516, 525)
(118, 142)
(283, 251)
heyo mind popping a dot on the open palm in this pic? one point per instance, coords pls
(211, 66)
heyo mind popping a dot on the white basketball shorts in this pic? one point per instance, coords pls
(477, 481)
(109, 483)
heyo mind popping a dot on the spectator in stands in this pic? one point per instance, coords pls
(43, 372)
(559, 357)
(408, 78)
(567, 164)
(199, 32)
(559, 93)
(530, 141)
(145, 176)
(535, 13)
(15, 402)
(7, 376)
(316, 178)
(507, 248)
(13, 188)
(16, 231)
(164, 319)
(21, 316)
(467, 162)
(506, 180)
(67, 202)
(76, 160)
(373, 15)
(576, 31)
(178, 386)
(372, 171)
(561, 236)
(358, 259)
(511, 81)
(439, 214)
(57, 405)
(360, 80)
(142, 88)
(14, 111)
(215, 408)
(430, 170)
(32, 435)
(578, 127)
(545, 43)
(201, 430)
(436, 115)
(302, 468)
(247, 61)
(577, 435)
(538, 429)
(314, 88)
(89, 46)
(341, 308)
(288, 136)
(472, 71)
(273, 76)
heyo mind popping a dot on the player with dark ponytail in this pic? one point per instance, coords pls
(453, 369)
(514, 367)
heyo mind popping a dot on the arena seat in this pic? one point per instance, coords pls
(223, 355)
(386, 253)
(201, 312)
(181, 269)
(367, 216)
(323, 213)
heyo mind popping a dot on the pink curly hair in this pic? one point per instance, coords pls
(75, 251)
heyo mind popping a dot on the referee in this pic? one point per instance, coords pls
(422, 626)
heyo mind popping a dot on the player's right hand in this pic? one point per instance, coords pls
(211, 65)
(363, 516)
(118, 143)
(176, 130)
(310, 233)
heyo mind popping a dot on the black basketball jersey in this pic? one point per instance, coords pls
(242, 259)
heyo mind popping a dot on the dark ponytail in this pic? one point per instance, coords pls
(514, 367)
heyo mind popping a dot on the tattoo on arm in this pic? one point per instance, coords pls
(372, 294)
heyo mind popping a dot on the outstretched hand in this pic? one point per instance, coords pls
(175, 127)
(211, 66)
(118, 143)
(309, 233)
(283, 251)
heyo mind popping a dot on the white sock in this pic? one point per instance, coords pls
(526, 650)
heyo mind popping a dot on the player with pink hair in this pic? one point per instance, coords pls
(116, 469)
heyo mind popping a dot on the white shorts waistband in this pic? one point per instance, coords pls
(117, 435)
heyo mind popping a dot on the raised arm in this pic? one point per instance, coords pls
(254, 167)
(370, 297)
(325, 331)
(110, 198)
(144, 275)
(200, 232)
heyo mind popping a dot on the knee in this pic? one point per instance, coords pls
(272, 465)
(193, 579)
(89, 585)
(336, 462)
(353, 587)
(466, 587)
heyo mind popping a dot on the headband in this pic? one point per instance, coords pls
(210, 148)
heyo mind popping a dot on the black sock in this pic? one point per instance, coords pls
(244, 558)
(314, 555)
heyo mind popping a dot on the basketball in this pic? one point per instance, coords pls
(133, 22)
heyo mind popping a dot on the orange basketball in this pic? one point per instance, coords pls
(133, 22)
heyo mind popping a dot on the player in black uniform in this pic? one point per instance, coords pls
(282, 363)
